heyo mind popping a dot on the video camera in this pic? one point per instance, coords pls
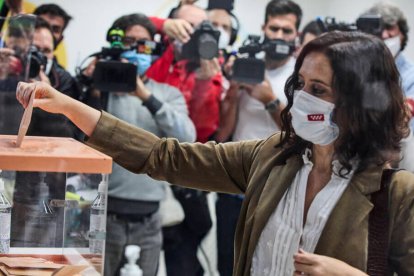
(203, 43)
(252, 70)
(110, 73)
(368, 23)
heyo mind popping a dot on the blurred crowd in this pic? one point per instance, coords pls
(181, 77)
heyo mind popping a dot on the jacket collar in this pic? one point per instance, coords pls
(344, 231)
(369, 180)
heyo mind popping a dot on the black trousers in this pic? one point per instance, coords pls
(181, 242)
(227, 210)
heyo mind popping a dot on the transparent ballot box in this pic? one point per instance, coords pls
(53, 194)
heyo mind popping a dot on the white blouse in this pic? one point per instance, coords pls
(285, 233)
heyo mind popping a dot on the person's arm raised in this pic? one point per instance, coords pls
(51, 100)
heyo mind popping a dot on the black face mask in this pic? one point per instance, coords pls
(278, 49)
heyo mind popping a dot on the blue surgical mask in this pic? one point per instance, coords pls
(142, 61)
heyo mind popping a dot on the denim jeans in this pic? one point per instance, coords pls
(146, 234)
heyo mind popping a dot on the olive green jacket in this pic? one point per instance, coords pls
(250, 167)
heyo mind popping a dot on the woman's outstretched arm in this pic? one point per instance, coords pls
(51, 100)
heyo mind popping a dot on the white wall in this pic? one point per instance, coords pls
(86, 33)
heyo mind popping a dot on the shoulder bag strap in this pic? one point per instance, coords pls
(378, 229)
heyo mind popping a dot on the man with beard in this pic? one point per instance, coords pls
(260, 107)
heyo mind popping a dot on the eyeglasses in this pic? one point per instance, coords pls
(127, 40)
(56, 28)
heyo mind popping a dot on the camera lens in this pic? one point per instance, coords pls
(207, 46)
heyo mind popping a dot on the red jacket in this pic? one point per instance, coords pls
(202, 96)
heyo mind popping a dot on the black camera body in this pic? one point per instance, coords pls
(249, 69)
(252, 70)
(368, 23)
(371, 24)
(111, 74)
(203, 43)
(36, 60)
(115, 76)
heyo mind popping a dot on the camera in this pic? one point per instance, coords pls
(37, 60)
(29, 59)
(368, 23)
(227, 5)
(110, 73)
(252, 70)
(203, 43)
(28, 64)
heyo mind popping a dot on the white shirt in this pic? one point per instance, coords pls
(254, 122)
(285, 233)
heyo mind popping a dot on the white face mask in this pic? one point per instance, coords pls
(224, 39)
(48, 66)
(311, 119)
(393, 44)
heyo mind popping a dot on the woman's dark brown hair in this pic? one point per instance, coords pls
(369, 103)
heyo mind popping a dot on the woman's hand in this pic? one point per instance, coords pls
(318, 265)
(46, 97)
(51, 100)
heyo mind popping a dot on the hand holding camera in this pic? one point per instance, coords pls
(262, 91)
(208, 69)
(8, 63)
(141, 92)
(203, 43)
(178, 29)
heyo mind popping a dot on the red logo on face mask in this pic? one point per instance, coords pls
(316, 117)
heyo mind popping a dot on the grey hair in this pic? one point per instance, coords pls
(391, 15)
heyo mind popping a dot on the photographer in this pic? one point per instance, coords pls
(133, 200)
(200, 81)
(56, 17)
(51, 72)
(260, 107)
(395, 36)
(221, 17)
